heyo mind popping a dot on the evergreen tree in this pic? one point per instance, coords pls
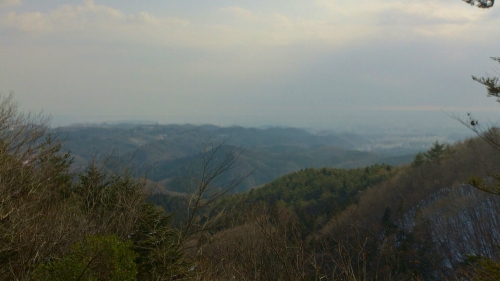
(486, 268)
(484, 4)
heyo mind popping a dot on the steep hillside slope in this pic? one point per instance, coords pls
(429, 214)
(413, 222)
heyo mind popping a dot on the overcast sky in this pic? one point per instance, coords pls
(293, 62)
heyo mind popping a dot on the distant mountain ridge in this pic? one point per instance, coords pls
(168, 150)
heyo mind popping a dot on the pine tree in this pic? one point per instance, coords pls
(484, 4)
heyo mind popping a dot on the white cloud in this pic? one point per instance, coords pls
(240, 13)
(91, 21)
(64, 18)
(245, 56)
(5, 3)
(402, 18)
(346, 22)
(239, 27)
(370, 11)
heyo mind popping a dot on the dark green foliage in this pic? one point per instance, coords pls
(486, 185)
(438, 152)
(419, 160)
(492, 85)
(108, 197)
(484, 4)
(102, 192)
(386, 219)
(90, 224)
(96, 258)
(315, 195)
(58, 163)
(159, 255)
(266, 164)
(435, 155)
(481, 268)
(172, 205)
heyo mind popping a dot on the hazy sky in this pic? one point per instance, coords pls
(293, 62)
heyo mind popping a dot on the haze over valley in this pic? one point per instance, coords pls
(249, 140)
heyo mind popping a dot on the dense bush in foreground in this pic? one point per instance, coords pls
(53, 218)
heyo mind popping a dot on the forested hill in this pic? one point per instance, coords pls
(412, 222)
(169, 152)
(316, 195)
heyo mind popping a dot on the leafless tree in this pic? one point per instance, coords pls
(209, 181)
